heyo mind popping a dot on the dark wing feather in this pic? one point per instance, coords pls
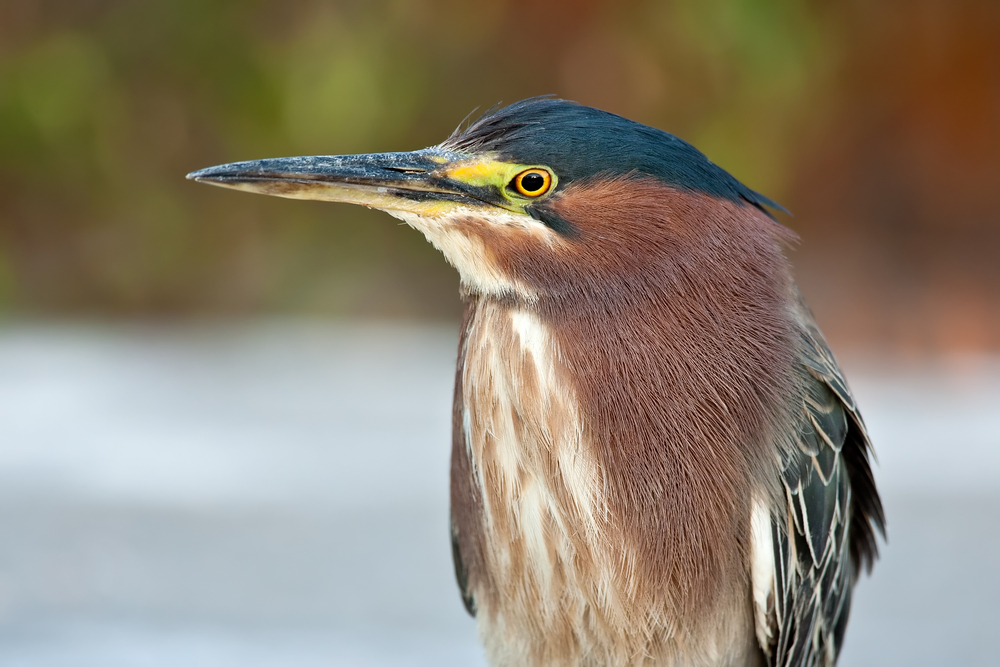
(827, 534)
(461, 574)
(465, 502)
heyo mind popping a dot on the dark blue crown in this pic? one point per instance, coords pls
(578, 142)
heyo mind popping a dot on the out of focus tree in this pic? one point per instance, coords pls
(896, 190)
(877, 123)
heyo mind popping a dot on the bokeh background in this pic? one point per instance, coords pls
(223, 437)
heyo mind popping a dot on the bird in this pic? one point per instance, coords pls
(655, 458)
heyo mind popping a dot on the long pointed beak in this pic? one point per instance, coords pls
(413, 182)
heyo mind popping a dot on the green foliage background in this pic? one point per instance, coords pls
(855, 114)
(104, 106)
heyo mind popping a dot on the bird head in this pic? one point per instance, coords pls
(537, 199)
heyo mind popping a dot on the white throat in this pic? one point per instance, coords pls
(454, 235)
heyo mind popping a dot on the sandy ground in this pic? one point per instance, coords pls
(276, 494)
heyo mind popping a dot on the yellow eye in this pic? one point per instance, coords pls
(533, 182)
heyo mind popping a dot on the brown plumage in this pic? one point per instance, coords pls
(655, 459)
(676, 369)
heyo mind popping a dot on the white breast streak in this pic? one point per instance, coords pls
(540, 486)
(578, 471)
(529, 498)
(762, 573)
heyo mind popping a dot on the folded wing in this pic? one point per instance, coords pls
(825, 534)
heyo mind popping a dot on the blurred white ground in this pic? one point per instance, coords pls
(276, 494)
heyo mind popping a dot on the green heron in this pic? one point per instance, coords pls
(655, 457)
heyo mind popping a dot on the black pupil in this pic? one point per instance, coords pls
(532, 182)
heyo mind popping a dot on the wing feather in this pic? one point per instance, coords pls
(826, 533)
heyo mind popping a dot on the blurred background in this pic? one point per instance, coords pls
(224, 419)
